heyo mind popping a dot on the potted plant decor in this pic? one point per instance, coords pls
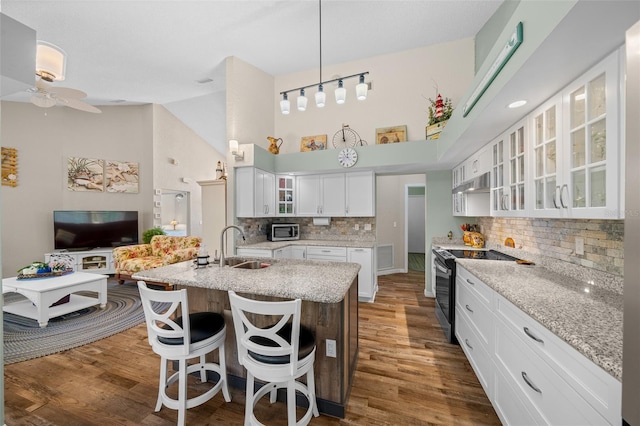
(439, 113)
(149, 233)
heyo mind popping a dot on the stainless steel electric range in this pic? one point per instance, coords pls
(445, 283)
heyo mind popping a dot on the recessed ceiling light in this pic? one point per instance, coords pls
(517, 104)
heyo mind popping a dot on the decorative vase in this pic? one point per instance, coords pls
(466, 237)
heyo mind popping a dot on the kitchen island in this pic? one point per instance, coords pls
(329, 293)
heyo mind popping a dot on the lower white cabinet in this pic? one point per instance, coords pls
(530, 375)
(98, 261)
(298, 252)
(335, 254)
(249, 252)
(367, 282)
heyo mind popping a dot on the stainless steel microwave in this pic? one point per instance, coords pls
(283, 232)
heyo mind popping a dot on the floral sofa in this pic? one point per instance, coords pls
(161, 251)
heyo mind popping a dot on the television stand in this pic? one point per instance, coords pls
(73, 250)
(97, 261)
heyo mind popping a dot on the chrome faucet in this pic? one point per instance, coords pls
(222, 263)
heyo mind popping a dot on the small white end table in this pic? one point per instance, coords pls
(43, 292)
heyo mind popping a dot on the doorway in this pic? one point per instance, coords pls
(415, 207)
(175, 212)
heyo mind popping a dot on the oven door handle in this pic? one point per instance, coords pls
(443, 270)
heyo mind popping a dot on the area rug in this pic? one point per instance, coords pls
(416, 262)
(24, 339)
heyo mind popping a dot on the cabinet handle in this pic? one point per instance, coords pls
(531, 385)
(468, 308)
(466, 342)
(533, 336)
(441, 269)
(555, 192)
(470, 282)
(562, 192)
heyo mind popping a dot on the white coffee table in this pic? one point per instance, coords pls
(43, 292)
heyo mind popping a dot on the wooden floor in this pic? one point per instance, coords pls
(407, 374)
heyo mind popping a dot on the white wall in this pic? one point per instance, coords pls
(390, 209)
(196, 161)
(401, 81)
(45, 138)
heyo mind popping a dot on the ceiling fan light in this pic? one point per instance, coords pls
(341, 93)
(43, 101)
(361, 89)
(302, 101)
(321, 97)
(285, 105)
(51, 61)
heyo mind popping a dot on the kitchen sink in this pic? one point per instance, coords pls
(246, 264)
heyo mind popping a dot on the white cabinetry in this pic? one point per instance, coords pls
(321, 195)
(479, 163)
(249, 252)
(285, 197)
(576, 148)
(335, 254)
(98, 261)
(255, 193)
(509, 172)
(531, 375)
(360, 194)
(298, 252)
(367, 282)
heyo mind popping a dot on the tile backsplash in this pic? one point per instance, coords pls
(339, 229)
(603, 239)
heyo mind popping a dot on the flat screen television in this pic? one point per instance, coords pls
(89, 229)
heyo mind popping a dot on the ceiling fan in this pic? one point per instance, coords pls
(46, 96)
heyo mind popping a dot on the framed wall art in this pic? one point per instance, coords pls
(393, 134)
(122, 177)
(9, 166)
(85, 174)
(313, 143)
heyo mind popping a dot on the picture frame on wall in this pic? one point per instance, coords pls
(395, 134)
(122, 176)
(85, 174)
(313, 143)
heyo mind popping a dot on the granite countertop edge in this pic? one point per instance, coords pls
(310, 280)
(587, 317)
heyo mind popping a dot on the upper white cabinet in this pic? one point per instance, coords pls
(255, 193)
(321, 195)
(285, 196)
(479, 163)
(360, 194)
(509, 172)
(576, 148)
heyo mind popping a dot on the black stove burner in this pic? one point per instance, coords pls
(481, 254)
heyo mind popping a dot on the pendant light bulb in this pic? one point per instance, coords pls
(361, 89)
(321, 97)
(285, 105)
(302, 101)
(341, 93)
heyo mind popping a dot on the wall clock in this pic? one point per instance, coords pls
(347, 157)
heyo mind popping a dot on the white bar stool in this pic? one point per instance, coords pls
(182, 338)
(278, 354)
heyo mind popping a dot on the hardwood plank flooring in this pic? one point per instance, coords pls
(407, 374)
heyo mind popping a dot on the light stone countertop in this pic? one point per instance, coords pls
(274, 245)
(311, 280)
(584, 314)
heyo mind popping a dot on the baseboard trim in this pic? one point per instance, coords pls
(392, 271)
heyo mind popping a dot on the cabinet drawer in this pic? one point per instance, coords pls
(327, 251)
(476, 352)
(478, 313)
(546, 392)
(508, 404)
(595, 385)
(482, 291)
(253, 252)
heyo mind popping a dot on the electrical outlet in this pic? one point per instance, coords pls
(579, 246)
(367, 227)
(395, 224)
(331, 348)
(356, 227)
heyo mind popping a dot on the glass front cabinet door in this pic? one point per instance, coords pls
(593, 182)
(285, 195)
(498, 198)
(508, 172)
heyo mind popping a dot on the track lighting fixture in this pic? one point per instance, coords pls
(340, 92)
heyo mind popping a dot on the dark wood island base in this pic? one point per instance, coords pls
(328, 321)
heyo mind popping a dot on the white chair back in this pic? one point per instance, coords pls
(250, 334)
(160, 319)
